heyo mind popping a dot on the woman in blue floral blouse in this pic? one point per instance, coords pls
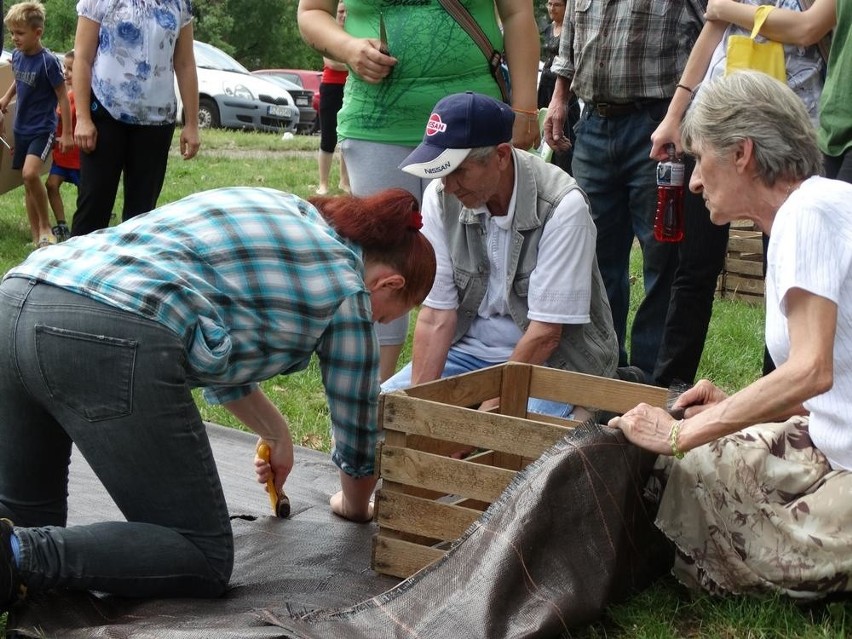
(128, 54)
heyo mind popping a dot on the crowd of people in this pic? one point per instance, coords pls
(511, 257)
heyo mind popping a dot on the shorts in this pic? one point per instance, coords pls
(39, 145)
(66, 173)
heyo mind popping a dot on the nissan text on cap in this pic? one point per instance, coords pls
(459, 123)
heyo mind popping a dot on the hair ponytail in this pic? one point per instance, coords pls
(386, 225)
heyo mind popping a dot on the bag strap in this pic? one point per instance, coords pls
(760, 15)
(824, 44)
(472, 28)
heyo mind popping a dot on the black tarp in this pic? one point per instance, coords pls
(571, 534)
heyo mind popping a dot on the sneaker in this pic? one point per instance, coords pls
(61, 231)
(12, 591)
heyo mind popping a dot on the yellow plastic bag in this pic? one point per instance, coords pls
(745, 53)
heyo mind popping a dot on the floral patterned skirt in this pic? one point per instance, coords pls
(760, 511)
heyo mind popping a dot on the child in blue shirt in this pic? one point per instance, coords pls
(39, 86)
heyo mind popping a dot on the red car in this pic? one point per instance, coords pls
(308, 79)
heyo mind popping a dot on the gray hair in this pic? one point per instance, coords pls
(752, 105)
(481, 154)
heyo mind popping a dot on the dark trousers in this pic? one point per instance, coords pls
(701, 257)
(140, 152)
(838, 167)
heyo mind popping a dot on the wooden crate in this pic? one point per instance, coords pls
(742, 276)
(427, 498)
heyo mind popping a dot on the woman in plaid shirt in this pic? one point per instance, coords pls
(104, 337)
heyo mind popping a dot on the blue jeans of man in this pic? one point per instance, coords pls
(612, 165)
(459, 362)
(114, 384)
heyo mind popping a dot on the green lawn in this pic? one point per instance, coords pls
(732, 358)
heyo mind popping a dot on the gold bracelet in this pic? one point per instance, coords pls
(531, 114)
(677, 453)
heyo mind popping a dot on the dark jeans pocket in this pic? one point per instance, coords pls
(90, 374)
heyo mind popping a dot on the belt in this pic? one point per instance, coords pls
(617, 109)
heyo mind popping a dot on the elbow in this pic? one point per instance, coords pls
(808, 36)
(822, 381)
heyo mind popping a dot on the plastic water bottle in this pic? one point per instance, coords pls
(668, 223)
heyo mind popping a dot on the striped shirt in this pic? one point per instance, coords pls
(254, 281)
(625, 50)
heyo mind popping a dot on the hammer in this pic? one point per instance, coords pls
(279, 501)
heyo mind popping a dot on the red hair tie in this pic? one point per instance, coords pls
(416, 221)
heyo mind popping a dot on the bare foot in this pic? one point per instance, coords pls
(322, 190)
(341, 508)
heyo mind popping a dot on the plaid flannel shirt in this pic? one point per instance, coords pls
(255, 282)
(625, 50)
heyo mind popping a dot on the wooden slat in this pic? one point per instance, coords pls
(591, 391)
(418, 516)
(470, 389)
(743, 284)
(753, 268)
(514, 391)
(466, 426)
(450, 476)
(745, 242)
(401, 558)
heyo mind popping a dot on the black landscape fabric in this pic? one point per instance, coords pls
(571, 534)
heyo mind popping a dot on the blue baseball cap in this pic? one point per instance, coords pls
(459, 123)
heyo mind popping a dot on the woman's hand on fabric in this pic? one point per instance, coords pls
(365, 58)
(699, 398)
(646, 426)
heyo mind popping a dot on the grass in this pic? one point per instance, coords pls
(732, 358)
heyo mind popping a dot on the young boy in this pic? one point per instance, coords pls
(39, 86)
(66, 166)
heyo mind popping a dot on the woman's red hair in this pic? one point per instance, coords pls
(387, 226)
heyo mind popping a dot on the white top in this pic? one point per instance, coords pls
(560, 288)
(811, 248)
(133, 72)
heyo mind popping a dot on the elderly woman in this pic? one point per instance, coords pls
(104, 337)
(759, 496)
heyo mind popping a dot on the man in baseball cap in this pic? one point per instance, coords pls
(459, 123)
(517, 276)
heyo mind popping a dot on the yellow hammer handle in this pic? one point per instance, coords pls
(263, 452)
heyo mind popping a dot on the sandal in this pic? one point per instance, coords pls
(44, 241)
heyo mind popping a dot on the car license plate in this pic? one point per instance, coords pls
(279, 111)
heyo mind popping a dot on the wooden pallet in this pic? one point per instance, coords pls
(742, 276)
(428, 498)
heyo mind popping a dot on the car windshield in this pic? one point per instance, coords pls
(279, 79)
(209, 57)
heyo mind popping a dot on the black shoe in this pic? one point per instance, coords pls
(61, 232)
(12, 591)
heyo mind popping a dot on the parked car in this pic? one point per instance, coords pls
(304, 99)
(231, 97)
(304, 78)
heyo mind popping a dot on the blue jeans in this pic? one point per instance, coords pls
(458, 363)
(114, 384)
(612, 166)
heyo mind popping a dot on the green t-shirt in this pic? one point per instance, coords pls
(835, 114)
(436, 58)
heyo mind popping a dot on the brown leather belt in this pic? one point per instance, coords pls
(617, 109)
